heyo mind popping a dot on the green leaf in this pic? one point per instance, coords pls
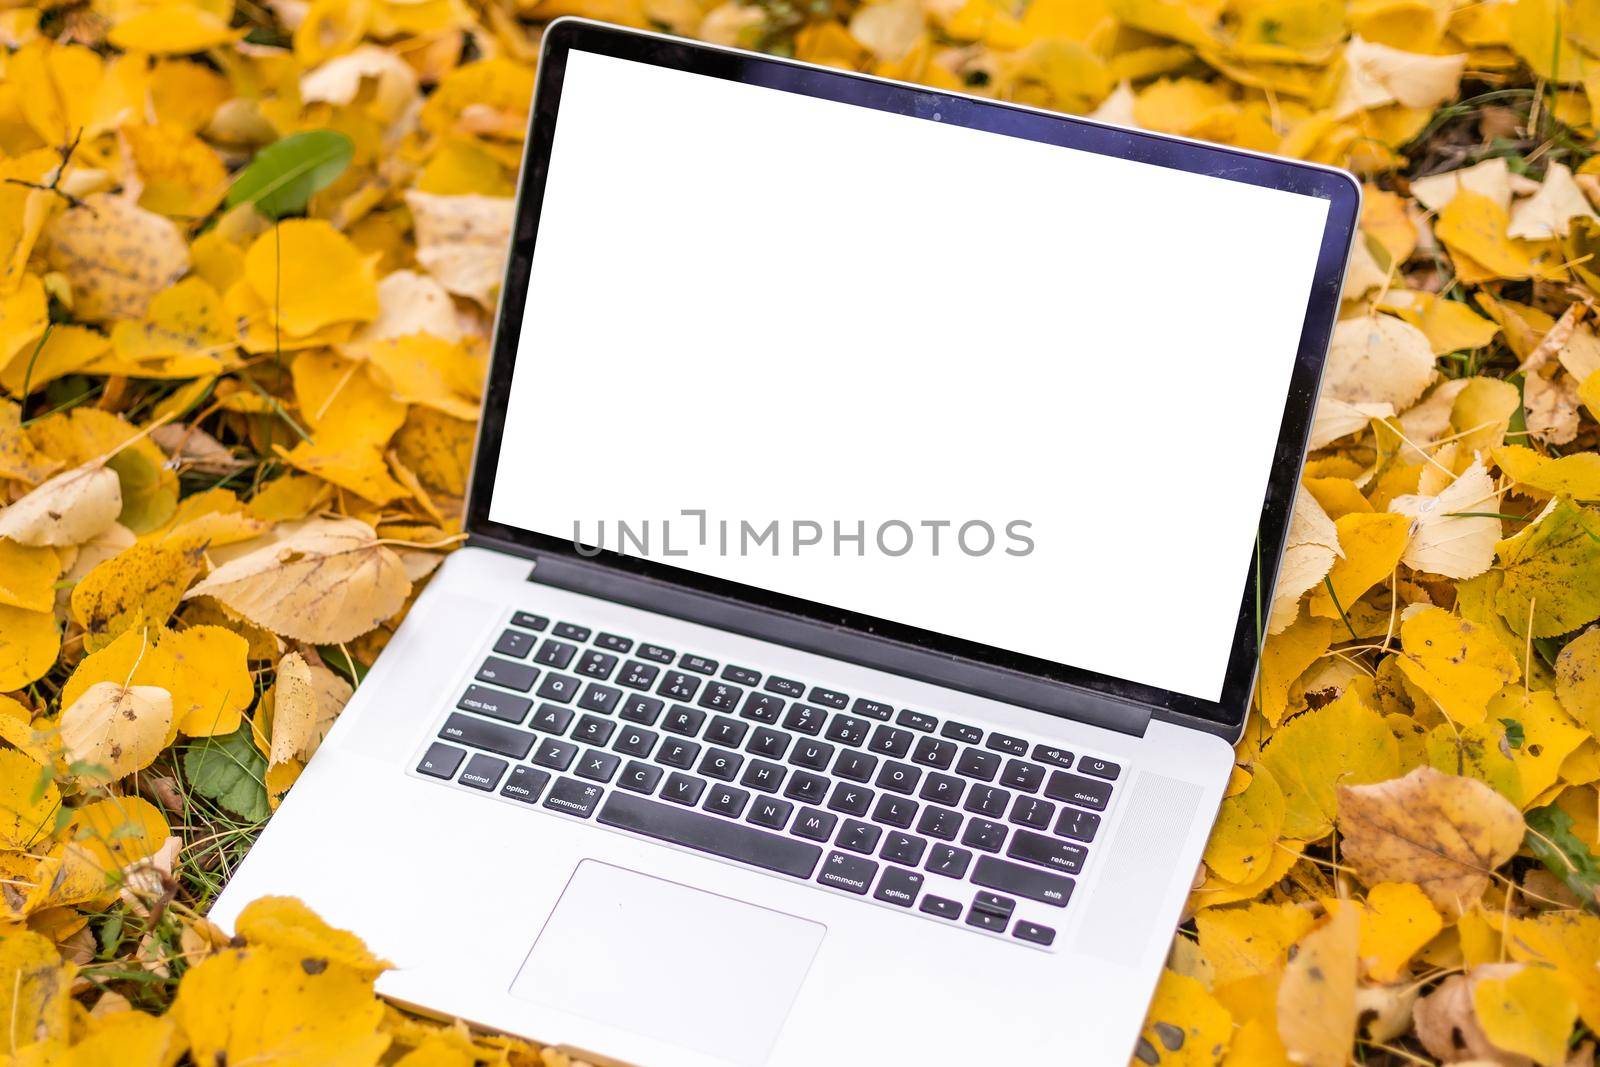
(282, 178)
(1550, 838)
(1514, 732)
(232, 771)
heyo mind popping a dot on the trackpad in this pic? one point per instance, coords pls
(672, 963)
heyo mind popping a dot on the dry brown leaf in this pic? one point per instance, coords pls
(462, 241)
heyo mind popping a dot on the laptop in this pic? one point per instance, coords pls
(876, 502)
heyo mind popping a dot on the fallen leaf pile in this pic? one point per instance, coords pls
(249, 255)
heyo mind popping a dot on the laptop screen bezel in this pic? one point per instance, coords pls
(1338, 188)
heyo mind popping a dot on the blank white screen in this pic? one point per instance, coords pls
(774, 307)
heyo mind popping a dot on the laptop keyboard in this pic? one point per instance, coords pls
(797, 779)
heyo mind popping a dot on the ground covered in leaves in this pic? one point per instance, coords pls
(248, 257)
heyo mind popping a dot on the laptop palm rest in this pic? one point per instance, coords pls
(668, 962)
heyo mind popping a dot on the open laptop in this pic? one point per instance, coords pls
(876, 501)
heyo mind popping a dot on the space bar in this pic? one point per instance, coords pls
(726, 839)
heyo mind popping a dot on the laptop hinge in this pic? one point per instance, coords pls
(853, 646)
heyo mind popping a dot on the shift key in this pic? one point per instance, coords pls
(491, 736)
(1022, 881)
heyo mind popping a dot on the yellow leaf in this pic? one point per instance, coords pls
(1577, 475)
(1453, 533)
(211, 683)
(27, 812)
(114, 730)
(1317, 997)
(1481, 413)
(1397, 921)
(269, 1005)
(1479, 750)
(1372, 545)
(1378, 359)
(326, 582)
(1286, 657)
(1345, 742)
(1458, 663)
(1185, 1026)
(174, 28)
(28, 576)
(1537, 32)
(1251, 940)
(65, 350)
(1529, 1013)
(286, 924)
(144, 582)
(19, 459)
(1552, 573)
(1313, 545)
(1444, 833)
(1569, 941)
(127, 1039)
(116, 255)
(1549, 736)
(428, 370)
(1248, 827)
(462, 240)
(102, 840)
(35, 991)
(1578, 678)
(29, 641)
(1549, 212)
(185, 320)
(1475, 227)
(134, 657)
(331, 282)
(1452, 326)
(24, 314)
(184, 178)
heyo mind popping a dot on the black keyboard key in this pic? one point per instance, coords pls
(767, 777)
(895, 811)
(561, 687)
(769, 812)
(441, 761)
(657, 653)
(850, 873)
(597, 766)
(683, 720)
(940, 822)
(1030, 847)
(525, 784)
(943, 789)
(483, 772)
(726, 800)
(814, 823)
(784, 687)
(1011, 746)
(829, 698)
(495, 704)
(721, 764)
(1099, 768)
(741, 675)
(848, 730)
(636, 675)
(988, 800)
(641, 709)
(987, 920)
(850, 798)
(916, 720)
(985, 835)
(898, 886)
(633, 741)
(676, 752)
(903, 848)
(769, 743)
(805, 719)
(949, 861)
(726, 732)
(856, 766)
(931, 752)
(593, 730)
(678, 686)
(551, 719)
(698, 664)
(762, 707)
(614, 643)
(730, 840)
(1020, 775)
(812, 755)
(593, 664)
(806, 787)
(942, 907)
(960, 731)
(529, 621)
(571, 631)
(872, 709)
(573, 797)
(683, 789)
(555, 653)
(557, 755)
(481, 733)
(993, 902)
(899, 777)
(859, 837)
(719, 696)
(640, 777)
(1031, 811)
(1027, 931)
(1078, 825)
(975, 763)
(512, 643)
(1076, 789)
(1022, 881)
(887, 741)
(518, 676)
(1050, 754)
(601, 698)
